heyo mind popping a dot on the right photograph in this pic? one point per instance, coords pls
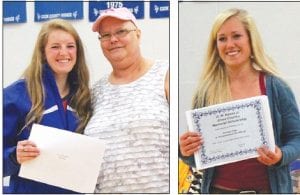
(239, 95)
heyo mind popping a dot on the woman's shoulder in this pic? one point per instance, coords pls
(277, 81)
(16, 93)
(161, 64)
(280, 89)
(100, 83)
(98, 86)
(16, 87)
(159, 68)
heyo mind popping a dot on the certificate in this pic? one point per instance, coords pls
(68, 160)
(232, 131)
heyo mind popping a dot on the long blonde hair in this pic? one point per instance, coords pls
(213, 85)
(81, 99)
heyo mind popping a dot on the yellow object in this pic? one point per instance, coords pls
(185, 177)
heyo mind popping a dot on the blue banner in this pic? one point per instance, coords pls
(96, 8)
(70, 10)
(159, 9)
(14, 12)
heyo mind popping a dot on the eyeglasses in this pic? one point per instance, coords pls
(118, 34)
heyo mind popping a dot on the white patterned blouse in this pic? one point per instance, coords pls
(134, 121)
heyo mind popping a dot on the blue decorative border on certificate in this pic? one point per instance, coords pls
(197, 115)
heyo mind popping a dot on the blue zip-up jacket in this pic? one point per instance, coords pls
(286, 126)
(16, 105)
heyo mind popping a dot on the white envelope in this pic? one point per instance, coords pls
(68, 160)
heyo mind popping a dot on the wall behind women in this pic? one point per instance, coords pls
(277, 22)
(19, 40)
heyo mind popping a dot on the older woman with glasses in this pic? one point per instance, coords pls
(131, 110)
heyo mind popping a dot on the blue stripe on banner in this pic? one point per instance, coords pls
(96, 7)
(159, 9)
(70, 10)
(14, 12)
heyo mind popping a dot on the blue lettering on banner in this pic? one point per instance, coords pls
(97, 7)
(159, 9)
(70, 10)
(14, 12)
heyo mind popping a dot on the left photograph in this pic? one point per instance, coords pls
(86, 97)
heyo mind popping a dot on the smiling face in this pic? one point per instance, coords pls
(233, 43)
(119, 49)
(61, 52)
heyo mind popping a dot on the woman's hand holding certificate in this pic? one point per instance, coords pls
(268, 157)
(190, 142)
